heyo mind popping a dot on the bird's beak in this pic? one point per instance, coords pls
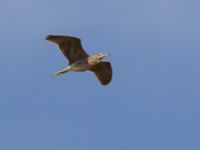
(104, 55)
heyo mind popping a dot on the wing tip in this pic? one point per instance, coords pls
(49, 37)
(105, 83)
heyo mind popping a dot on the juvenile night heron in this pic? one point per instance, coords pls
(79, 60)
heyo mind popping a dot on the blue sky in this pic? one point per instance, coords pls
(153, 101)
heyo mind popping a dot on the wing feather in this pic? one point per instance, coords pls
(70, 46)
(103, 72)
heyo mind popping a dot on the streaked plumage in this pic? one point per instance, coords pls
(79, 60)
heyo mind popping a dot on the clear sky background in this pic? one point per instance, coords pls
(153, 101)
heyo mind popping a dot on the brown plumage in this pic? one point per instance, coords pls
(79, 60)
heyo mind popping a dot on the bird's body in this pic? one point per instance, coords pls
(80, 65)
(79, 60)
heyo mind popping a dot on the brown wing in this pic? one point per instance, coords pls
(103, 71)
(70, 46)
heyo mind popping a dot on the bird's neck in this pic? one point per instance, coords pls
(92, 60)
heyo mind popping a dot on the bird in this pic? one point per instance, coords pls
(79, 60)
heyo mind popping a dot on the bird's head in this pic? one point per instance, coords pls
(95, 59)
(100, 56)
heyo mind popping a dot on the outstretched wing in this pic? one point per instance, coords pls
(103, 72)
(70, 46)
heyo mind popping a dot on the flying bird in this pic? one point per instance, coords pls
(79, 60)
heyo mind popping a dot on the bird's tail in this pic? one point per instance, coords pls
(61, 72)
